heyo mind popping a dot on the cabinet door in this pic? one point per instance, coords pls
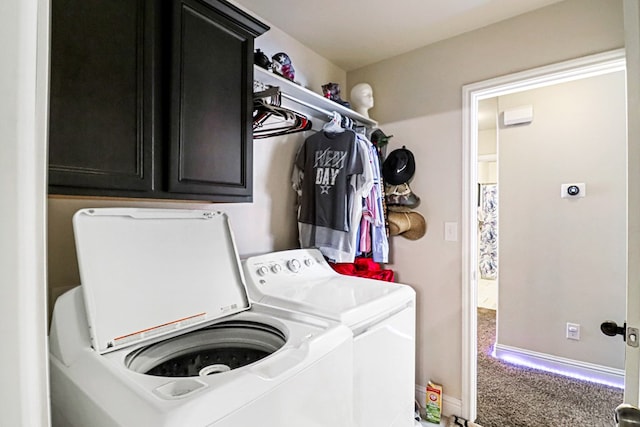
(100, 100)
(210, 143)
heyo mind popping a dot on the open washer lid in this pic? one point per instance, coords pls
(151, 272)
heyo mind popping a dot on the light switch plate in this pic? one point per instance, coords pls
(451, 231)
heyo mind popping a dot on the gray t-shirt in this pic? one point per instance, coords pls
(327, 160)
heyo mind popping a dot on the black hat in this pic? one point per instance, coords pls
(399, 166)
(261, 60)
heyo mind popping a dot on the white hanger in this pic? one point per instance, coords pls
(335, 124)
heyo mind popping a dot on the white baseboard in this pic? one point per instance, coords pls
(569, 367)
(450, 405)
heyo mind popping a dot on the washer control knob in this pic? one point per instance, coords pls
(294, 265)
(276, 268)
(308, 262)
(262, 271)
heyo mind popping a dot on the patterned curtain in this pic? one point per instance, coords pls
(488, 231)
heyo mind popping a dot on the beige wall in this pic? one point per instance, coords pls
(564, 260)
(267, 224)
(487, 142)
(419, 100)
(487, 170)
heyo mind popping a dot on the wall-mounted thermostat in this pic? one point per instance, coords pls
(573, 190)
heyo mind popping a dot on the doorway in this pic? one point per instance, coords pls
(472, 95)
(487, 180)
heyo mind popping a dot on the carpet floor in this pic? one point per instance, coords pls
(510, 396)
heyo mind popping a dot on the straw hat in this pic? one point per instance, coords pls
(411, 225)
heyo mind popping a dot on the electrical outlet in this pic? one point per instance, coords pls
(573, 331)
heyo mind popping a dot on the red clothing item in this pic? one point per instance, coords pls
(364, 267)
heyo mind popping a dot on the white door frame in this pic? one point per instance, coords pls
(24, 80)
(589, 66)
(632, 45)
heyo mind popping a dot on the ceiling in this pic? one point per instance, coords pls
(355, 33)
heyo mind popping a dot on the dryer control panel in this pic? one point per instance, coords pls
(302, 280)
(297, 263)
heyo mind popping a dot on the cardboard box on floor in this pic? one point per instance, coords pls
(433, 405)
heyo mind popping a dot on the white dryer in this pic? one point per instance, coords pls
(161, 333)
(380, 314)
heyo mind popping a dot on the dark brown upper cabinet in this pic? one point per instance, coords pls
(101, 91)
(151, 99)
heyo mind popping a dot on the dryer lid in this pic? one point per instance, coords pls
(152, 272)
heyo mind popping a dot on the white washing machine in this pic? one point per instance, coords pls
(380, 314)
(161, 333)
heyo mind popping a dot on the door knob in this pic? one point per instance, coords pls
(612, 329)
